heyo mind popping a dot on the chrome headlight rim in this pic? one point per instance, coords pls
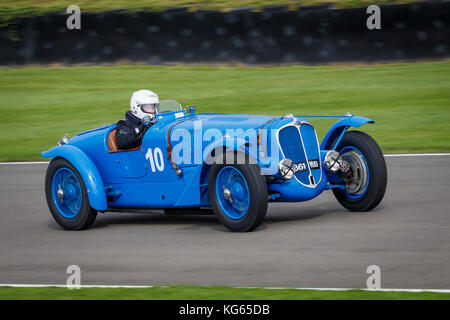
(286, 169)
(332, 160)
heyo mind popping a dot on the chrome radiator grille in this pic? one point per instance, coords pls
(299, 143)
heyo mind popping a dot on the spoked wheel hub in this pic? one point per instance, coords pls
(356, 176)
(60, 194)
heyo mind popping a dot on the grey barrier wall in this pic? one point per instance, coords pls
(308, 35)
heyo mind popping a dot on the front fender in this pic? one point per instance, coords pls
(88, 171)
(338, 129)
(230, 144)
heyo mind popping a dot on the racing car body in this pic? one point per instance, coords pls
(235, 164)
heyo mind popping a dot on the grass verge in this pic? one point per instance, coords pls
(410, 102)
(207, 293)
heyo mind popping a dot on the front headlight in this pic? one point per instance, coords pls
(285, 169)
(332, 160)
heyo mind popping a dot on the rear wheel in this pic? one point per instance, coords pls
(365, 176)
(66, 196)
(238, 194)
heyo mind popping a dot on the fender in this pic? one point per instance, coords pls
(230, 144)
(338, 130)
(88, 171)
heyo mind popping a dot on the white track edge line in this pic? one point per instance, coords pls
(417, 154)
(386, 155)
(269, 288)
(25, 162)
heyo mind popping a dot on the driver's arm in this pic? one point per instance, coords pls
(126, 137)
(146, 123)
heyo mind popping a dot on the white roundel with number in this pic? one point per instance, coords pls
(156, 159)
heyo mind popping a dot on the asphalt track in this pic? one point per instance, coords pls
(311, 244)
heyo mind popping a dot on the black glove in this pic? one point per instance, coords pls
(148, 121)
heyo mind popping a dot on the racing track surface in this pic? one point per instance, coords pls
(311, 244)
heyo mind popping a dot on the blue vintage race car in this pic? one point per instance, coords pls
(235, 164)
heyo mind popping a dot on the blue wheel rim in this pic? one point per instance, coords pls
(69, 204)
(359, 195)
(236, 205)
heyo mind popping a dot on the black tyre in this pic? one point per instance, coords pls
(238, 194)
(66, 196)
(366, 174)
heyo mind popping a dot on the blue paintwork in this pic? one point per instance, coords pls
(72, 201)
(231, 178)
(338, 140)
(340, 127)
(132, 179)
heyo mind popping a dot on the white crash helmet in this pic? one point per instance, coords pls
(144, 102)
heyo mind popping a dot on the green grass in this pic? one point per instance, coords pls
(18, 8)
(410, 102)
(207, 293)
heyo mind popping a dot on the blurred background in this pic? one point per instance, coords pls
(250, 56)
(59, 75)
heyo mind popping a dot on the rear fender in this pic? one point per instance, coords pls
(88, 171)
(338, 130)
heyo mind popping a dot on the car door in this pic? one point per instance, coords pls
(130, 164)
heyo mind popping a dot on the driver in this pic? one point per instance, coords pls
(144, 104)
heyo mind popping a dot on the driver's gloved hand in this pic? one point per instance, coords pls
(148, 121)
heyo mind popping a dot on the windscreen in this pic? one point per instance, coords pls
(169, 106)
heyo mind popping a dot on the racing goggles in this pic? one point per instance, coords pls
(150, 107)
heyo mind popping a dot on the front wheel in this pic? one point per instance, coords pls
(363, 172)
(66, 196)
(238, 194)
